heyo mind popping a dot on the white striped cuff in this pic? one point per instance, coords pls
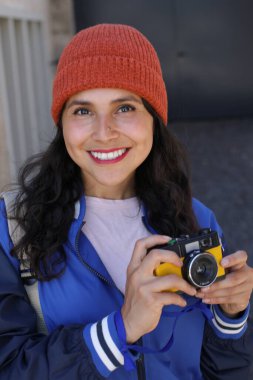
(228, 328)
(102, 340)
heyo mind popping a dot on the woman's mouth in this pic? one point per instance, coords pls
(108, 156)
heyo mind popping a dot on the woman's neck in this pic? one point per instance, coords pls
(121, 191)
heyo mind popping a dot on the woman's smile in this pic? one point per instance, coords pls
(108, 156)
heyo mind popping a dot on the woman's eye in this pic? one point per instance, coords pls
(126, 108)
(81, 111)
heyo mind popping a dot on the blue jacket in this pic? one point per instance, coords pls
(79, 310)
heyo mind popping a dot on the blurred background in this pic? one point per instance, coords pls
(206, 53)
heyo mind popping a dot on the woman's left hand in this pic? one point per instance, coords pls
(233, 293)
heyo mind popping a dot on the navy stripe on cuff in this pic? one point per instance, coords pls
(227, 327)
(103, 342)
(105, 346)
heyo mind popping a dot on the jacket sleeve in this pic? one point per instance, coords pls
(77, 351)
(227, 359)
(25, 354)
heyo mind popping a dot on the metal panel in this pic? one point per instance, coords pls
(6, 109)
(10, 12)
(41, 79)
(15, 91)
(29, 88)
(39, 75)
(24, 87)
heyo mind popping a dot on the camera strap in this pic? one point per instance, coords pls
(129, 362)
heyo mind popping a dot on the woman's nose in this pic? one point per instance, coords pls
(104, 129)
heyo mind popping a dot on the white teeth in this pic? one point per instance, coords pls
(108, 156)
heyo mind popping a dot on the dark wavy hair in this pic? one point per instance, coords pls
(50, 183)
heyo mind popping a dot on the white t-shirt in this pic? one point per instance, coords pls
(113, 227)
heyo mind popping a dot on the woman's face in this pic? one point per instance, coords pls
(108, 133)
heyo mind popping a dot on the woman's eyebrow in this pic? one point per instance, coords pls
(127, 99)
(78, 103)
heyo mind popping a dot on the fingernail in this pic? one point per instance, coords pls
(206, 300)
(205, 290)
(225, 261)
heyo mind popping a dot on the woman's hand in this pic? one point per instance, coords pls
(145, 293)
(233, 293)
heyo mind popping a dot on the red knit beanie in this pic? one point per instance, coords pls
(109, 56)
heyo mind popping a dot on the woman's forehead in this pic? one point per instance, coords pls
(111, 95)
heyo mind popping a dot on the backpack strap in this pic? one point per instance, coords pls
(28, 279)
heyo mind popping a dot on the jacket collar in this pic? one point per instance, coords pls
(80, 208)
(77, 223)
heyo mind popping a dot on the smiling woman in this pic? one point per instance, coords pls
(113, 186)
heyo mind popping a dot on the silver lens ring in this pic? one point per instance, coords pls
(207, 258)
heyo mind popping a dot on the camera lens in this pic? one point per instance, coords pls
(200, 269)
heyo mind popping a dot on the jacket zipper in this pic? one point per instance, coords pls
(84, 262)
(141, 375)
(140, 365)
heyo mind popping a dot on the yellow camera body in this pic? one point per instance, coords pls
(201, 255)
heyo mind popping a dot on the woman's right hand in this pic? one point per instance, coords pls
(146, 293)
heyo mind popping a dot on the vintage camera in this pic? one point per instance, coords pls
(201, 254)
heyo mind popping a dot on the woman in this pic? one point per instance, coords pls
(112, 185)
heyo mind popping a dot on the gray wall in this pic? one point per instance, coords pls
(205, 48)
